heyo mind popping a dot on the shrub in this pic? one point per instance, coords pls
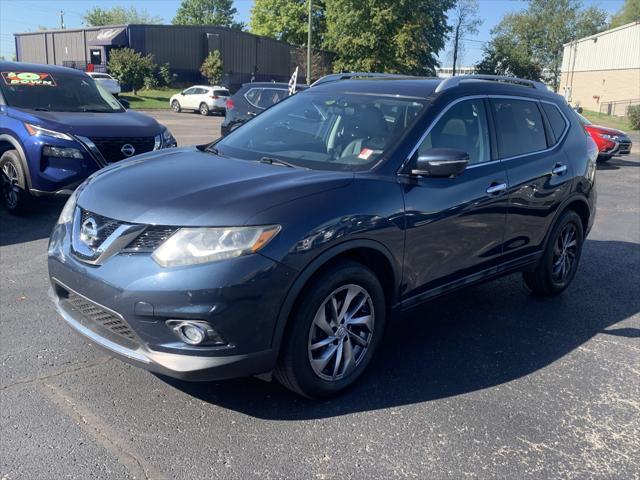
(211, 68)
(130, 67)
(165, 77)
(633, 112)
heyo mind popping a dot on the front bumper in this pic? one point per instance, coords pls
(184, 367)
(240, 299)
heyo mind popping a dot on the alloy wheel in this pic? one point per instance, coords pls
(204, 110)
(10, 185)
(565, 253)
(341, 332)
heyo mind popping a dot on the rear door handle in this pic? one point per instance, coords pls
(495, 188)
(559, 169)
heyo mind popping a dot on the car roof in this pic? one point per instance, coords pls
(424, 87)
(39, 67)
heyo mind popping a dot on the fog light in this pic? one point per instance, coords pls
(194, 332)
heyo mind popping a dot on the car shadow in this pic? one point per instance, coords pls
(616, 163)
(36, 223)
(475, 339)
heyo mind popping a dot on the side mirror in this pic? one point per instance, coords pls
(124, 103)
(441, 162)
(182, 92)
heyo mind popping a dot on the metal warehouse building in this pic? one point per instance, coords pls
(602, 72)
(244, 56)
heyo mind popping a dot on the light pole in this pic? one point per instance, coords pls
(309, 46)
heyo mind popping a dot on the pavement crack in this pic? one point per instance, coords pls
(101, 432)
(56, 374)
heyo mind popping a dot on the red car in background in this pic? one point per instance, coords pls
(610, 142)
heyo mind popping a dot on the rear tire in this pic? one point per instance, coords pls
(175, 106)
(15, 194)
(333, 332)
(204, 109)
(559, 263)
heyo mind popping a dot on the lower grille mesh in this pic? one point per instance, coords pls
(100, 316)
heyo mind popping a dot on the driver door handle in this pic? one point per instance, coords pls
(495, 188)
(559, 169)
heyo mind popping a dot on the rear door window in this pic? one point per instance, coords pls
(519, 127)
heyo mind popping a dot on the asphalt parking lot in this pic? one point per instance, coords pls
(486, 383)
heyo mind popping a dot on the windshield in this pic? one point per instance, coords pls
(319, 130)
(56, 93)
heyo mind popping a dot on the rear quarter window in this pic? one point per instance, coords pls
(556, 120)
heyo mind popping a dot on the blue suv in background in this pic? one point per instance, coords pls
(58, 126)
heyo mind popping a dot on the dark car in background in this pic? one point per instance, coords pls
(58, 126)
(285, 246)
(252, 99)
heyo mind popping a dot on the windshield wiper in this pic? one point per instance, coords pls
(275, 161)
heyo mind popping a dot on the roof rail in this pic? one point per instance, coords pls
(334, 77)
(452, 82)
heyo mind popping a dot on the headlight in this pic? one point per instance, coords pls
(168, 140)
(607, 137)
(45, 132)
(61, 152)
(66, 216)
(190, 246)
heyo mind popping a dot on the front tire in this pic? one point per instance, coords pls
(15, 194)
(334, 331)
(175, 106)
(204, 109)
(559, 262)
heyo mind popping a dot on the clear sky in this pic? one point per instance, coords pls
(29, 15)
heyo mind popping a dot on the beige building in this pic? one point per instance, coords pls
(602, 72)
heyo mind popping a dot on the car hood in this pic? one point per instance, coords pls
(605, 130)
(188, 187)
(118, 124)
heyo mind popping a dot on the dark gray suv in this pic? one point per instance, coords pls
(286, 246)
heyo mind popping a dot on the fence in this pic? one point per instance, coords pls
(85, 66)
(619, 108)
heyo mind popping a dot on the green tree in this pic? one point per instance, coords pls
(630, 12)
(96, 16)
(211, 68)
(287, 20)
(536, 36)
(395, 36)
(207, 12)
(130, 67)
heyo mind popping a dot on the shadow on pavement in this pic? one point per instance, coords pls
(475, 339)
(34, 224)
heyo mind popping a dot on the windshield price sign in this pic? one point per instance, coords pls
(30, 79)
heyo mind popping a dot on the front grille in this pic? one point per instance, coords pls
(111, 147)
(150, 239)
(98, 315)
(106, 226)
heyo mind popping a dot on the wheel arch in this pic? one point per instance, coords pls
(8, 142)
(370, 253)
(578, 204)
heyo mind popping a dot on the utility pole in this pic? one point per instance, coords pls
(61, 20)
(309, 46)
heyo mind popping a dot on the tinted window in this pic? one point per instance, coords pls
(519, 127)
(321, 130)
(221, 93)
(556, 120)
(463, 127)
(190, 91)
(265, 97)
